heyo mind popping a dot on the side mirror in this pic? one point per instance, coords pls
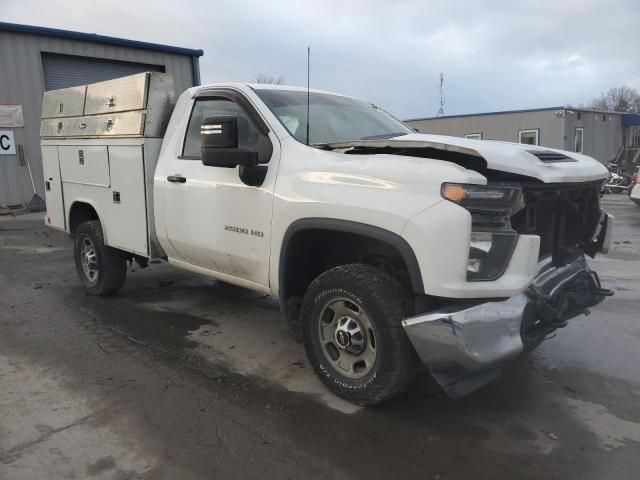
(220, 143)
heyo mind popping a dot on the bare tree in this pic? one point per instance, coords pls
(269, 79)
(618, 99)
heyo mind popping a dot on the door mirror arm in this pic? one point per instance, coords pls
(253, 175)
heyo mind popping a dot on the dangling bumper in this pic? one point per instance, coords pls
(466, 348)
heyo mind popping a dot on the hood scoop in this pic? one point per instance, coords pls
(551, 157)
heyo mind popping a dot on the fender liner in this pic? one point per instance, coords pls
(90, 203)
(348, 226)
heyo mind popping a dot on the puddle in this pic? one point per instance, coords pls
(612, 432)
(239, 330)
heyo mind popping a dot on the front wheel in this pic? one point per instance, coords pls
(101, 268)
(353, 335)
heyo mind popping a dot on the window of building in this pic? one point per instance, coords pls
(579, 139)
(529, 137)
(473, 136)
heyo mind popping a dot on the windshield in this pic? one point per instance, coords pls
(332, 118)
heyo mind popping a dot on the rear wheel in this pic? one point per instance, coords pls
(353, 335)
(102, 269)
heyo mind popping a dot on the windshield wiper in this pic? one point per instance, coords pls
(384, 135)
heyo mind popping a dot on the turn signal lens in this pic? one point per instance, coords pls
(506, 198)
(453, 192)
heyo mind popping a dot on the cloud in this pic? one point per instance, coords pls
(495, 54)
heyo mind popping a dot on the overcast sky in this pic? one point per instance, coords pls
(495, 55)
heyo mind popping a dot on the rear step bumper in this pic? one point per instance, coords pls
(466, 348)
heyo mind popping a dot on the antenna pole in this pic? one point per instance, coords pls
(441, 111)
(308, 82)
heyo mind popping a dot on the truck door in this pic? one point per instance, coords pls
(213, 219)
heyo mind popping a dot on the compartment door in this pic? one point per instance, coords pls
(88, 165)
(55, 216)
(127, 214)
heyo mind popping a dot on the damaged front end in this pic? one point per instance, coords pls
(467, 346)
(530, 192)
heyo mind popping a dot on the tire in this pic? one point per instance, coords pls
(101, 269)
(367, 306)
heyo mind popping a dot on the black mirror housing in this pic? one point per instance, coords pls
(220, 143)
(219, 132)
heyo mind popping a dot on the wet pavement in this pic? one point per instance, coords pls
(182, 377)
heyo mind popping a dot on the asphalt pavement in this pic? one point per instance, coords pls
(180, 377)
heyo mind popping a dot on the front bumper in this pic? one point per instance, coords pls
(466, 348)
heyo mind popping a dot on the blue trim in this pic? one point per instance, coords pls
(492, 113)
(630, 119)
(92, 37)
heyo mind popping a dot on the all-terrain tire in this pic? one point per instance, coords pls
(110, 264)
(386, 303)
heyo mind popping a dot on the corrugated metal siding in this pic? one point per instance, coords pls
(602, 138)
(21, 82)
(62, 71)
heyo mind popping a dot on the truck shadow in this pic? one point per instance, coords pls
(210, 323)
(237, 339)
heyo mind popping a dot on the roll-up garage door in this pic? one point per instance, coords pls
(62, 71)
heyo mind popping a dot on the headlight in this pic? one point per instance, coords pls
(482, 197)
(492, 238)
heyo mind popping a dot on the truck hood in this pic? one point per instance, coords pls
(545, 164)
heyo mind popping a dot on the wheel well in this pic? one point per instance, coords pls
(81, 212)
(308, 252)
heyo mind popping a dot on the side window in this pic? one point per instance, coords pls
(248, 134)
(529, 137)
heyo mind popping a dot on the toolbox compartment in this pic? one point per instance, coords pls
(135, 106)
(66, 102)
(87, 164)
(119, 95)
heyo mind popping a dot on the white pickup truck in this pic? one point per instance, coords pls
(389, 250)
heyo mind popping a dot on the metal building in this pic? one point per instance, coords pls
(606, 136)
(35, 59)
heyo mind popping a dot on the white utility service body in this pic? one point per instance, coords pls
(155, 194)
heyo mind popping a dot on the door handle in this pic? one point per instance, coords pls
(177, 178)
